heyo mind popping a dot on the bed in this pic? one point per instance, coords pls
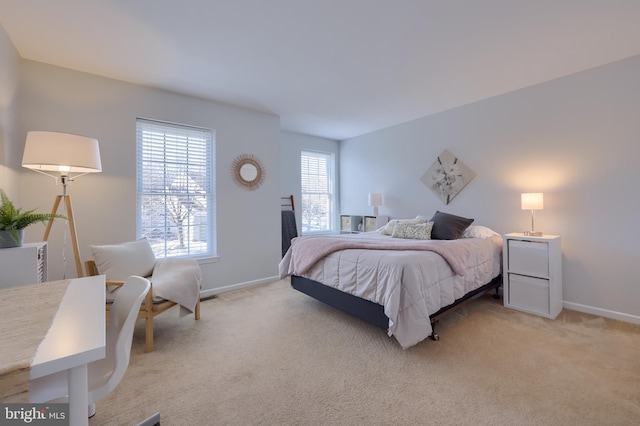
(403, 285)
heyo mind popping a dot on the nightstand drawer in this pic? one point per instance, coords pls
(529, 293)
(528, 258)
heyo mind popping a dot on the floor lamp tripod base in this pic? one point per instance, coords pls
(72, 229)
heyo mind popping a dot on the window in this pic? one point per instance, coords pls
(175, 188)
(317, 178)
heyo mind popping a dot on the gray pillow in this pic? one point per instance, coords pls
(448, 226)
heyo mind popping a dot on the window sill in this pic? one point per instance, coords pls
(208, 259)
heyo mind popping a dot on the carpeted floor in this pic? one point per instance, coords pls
(272, 356)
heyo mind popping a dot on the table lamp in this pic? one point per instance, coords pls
(375, 200)
(532, 201)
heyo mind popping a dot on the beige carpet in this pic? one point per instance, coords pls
(273, 356)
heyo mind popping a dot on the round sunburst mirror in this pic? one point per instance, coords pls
(248, 172)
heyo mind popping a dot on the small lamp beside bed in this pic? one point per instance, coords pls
(375, 200)
(532, 201)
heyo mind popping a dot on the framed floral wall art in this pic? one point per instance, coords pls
(447, 176)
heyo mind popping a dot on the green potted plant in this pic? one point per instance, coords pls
(13, 221)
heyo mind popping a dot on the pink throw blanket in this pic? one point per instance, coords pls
(307, 250)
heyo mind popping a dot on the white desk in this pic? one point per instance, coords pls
(76, 337)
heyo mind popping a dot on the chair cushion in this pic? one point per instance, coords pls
(120, 261)
(113, 292)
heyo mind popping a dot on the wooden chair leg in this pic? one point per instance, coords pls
(197, 313)
(148, 329)
(148, 333)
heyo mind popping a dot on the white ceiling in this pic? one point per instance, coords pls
(330, 68)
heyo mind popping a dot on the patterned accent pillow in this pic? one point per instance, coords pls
(390, 226)
(413, 231)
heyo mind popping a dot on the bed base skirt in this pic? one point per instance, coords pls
(374, 313)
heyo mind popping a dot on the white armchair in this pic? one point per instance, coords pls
(174, 281)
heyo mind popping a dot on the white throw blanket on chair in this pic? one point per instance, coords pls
(178, 280)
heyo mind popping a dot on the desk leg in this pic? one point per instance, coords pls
(78, 398)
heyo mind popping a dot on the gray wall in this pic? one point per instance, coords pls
(57, 99)
(575, 139)
(9, 63)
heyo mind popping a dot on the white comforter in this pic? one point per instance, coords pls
(411, 285)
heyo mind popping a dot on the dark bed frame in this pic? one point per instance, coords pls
(373, 312)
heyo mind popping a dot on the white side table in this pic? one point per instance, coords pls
(23, 265)
(532, 274)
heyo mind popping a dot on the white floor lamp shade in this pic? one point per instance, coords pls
(60, 152)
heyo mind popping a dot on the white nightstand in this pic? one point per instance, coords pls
(532, 274)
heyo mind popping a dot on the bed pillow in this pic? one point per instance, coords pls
(389, 227)
(119, 261)
(448, 226)
(413, 231)
(477, 231)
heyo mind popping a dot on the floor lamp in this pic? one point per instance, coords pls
(69, 155)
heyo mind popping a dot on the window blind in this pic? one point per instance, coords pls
(175, 188)
(317, 184)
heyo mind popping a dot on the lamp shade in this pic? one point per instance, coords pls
(64, 152)
(375, 200)
(532, 201)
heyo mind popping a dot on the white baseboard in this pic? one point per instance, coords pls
(634, 319)
(218, 290)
